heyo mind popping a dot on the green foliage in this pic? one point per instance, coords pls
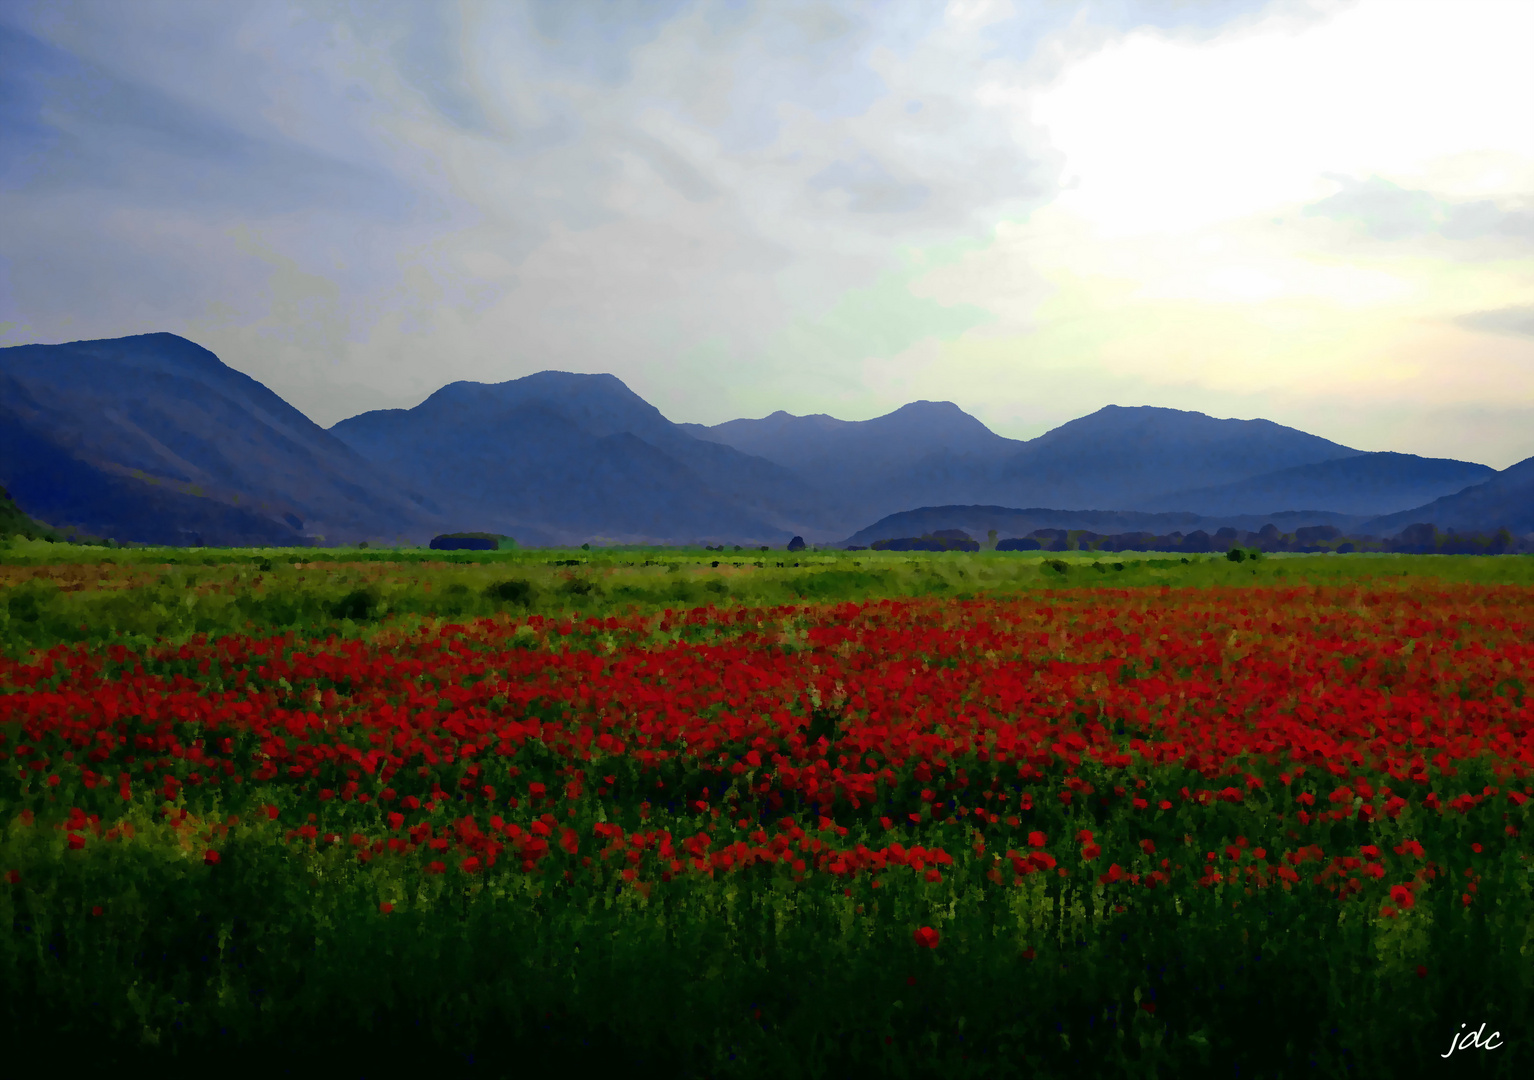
(281, 952)
(17, 529)
(750, 975)
(357, 605)
(513, 591)
(173, 593)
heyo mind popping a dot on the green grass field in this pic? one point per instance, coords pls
(55, 592)
(736, 814)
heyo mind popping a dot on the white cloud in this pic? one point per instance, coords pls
(1029, 209)
(1170, 135)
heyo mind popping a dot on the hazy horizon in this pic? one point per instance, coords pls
(1314, 212)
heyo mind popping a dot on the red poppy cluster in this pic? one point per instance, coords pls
(766, 736)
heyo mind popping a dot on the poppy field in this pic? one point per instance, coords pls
(1080, 829)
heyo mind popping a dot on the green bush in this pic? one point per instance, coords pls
(358, 605)
(513, 591)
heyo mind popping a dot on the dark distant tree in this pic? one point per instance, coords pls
(1316, 534)
(1419, 539)
(462, 543)
(796, 544)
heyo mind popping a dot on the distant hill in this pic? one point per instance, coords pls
(1366, 484)
(154, 439)
(933, 453)
(1506, 499)
(920, 452)
(15, 523)
(1010, 522)
(897, 440)
(1126, 458)
(576, 455)
(1181, 533)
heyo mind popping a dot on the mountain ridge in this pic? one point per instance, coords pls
(154, 439)
(204, 452)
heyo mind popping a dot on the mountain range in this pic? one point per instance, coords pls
(152, 438)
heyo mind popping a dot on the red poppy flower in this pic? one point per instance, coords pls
(210, 857)
(926, 936)
(386, 907)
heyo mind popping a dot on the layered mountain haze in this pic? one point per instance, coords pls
(153, 439)
(924, 451)
(895, 441)
(1007, 522)
(1368, 484)
(1121, 458)
(934, 453)
(568, 456)
(1506, 500)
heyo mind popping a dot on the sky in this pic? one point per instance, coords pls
(1317, 212)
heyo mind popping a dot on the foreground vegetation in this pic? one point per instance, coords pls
(870, 814)
(62, 593)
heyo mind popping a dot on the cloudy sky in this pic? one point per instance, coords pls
(1320, 212)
